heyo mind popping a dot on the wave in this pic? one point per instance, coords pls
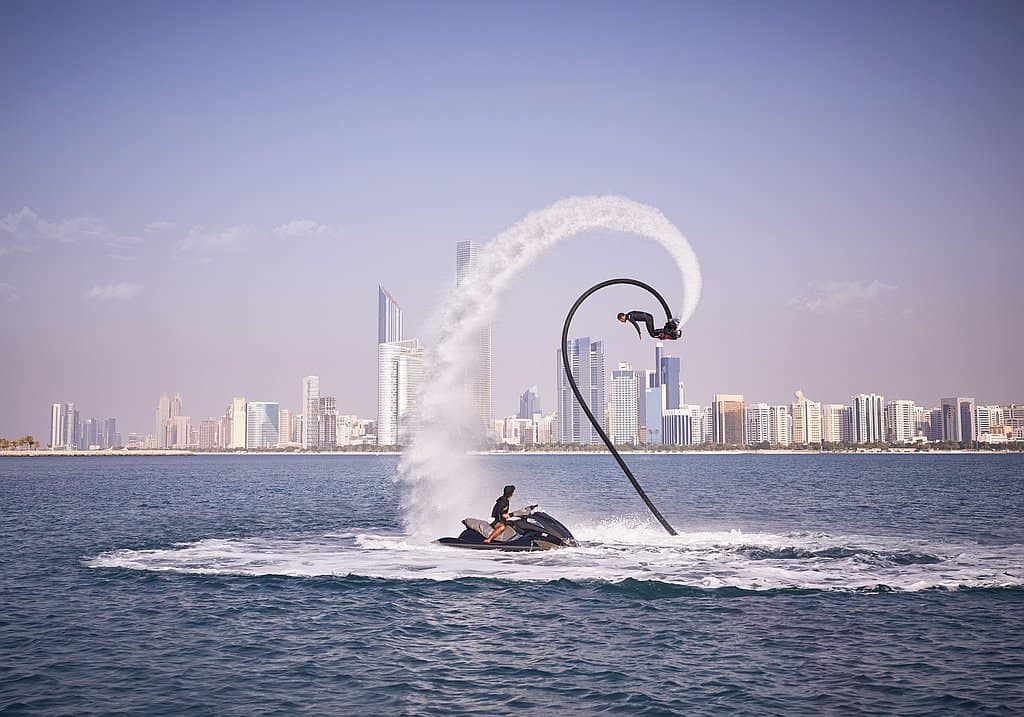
(631, 555)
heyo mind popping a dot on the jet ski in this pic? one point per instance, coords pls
(527, 530)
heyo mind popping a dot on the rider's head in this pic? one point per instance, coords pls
(508, 491)
(622, 317)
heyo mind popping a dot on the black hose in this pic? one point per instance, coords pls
(583, 403)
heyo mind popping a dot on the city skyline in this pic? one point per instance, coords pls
(836, 214)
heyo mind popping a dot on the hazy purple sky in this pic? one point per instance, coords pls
(203, 197)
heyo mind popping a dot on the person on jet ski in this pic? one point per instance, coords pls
(670, 332)
(500, 512)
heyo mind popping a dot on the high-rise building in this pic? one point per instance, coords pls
(72, 426)
(780, 425)
(110, 435)
(261, 425)
(833, 418)
(529, 403)
(586, 361)
(900, 421)
(959, 422)
(311, 412)
(729, 427)
(681, 426)
(466, 253)
(163, 412)
(1013, 415)
(672, 380)
(400, 369)
(207, 439)
(90, 433)
(868, 418)
(989, 417)
(934, 425)
(239, 418)
(641, 378)
(544, 428)
(654, 407)
(758, 423)
(659, 352)
(806, 421)
(389, 317)
(176, 406)
(624, 415)
(179, 433)
(58, 426)
(328, 422)
(284, 427)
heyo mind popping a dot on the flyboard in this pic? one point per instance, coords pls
(539, 531)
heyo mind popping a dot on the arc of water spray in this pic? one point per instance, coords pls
(437, 473)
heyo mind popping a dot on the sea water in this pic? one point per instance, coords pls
(286, 585)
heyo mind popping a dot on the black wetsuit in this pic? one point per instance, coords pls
(500, 509)
(635, 317)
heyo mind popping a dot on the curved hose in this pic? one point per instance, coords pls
(583, 404)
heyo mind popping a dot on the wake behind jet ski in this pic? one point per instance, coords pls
(524, 530)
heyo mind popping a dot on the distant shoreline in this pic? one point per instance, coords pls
(733, 452)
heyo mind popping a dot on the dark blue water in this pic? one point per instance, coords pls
(285, 585)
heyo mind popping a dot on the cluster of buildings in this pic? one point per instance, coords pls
(69, 431)
(636, 407)
(647, 408)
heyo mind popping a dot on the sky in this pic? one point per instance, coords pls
(203, 197)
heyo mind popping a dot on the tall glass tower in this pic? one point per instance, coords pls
(480, 382)
(389, 317)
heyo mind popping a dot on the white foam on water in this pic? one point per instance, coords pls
(612, 551)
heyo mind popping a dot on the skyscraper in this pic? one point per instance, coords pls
(729, 427)
(958, 420)
(261, 425)
(586, 361)
(833, 423)
(624, 416)
(529, 403)
(480, 377)
(758, 424)
(72, 426)
(682, 426)
(868, 418)
(207, 434)
(780, 425)
(163, 412)
(389, 317)
(901, 421)
(58, 426)
(328, 422)
(806, 421)
(239, 420)
(671, 379)
(311, 408)
(284, 427)
(400, 367)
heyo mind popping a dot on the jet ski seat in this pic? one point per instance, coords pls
(484, 528)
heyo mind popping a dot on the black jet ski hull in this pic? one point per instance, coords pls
(532, 531)
(506, 547)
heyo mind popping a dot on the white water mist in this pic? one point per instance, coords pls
(441, 481)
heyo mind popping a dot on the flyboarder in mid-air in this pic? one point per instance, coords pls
(670, 332)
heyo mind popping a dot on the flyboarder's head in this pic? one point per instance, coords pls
(622, 317)
(508, 491)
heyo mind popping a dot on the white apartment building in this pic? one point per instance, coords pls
(625, 430)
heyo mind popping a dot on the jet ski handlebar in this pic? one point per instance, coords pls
(523, 512)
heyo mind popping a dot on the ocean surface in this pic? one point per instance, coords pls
(252, 585)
